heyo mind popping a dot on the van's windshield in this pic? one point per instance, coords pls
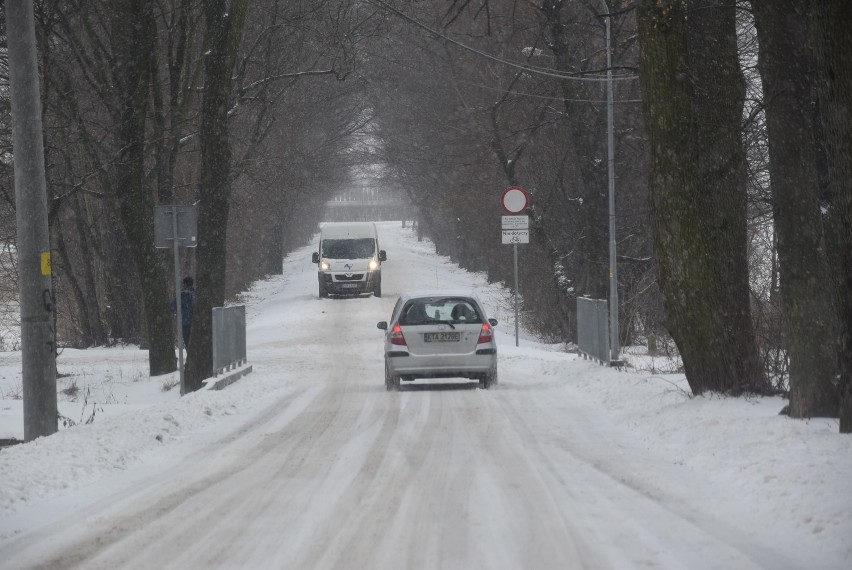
(359, 248)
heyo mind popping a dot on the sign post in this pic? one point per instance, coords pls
(515, 230)
(175, 227)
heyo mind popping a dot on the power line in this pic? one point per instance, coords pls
(548, 97)
(526, 67)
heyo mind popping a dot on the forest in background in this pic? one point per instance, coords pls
(732, 163)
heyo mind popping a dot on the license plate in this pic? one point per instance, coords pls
(351, 285)
(441, 337)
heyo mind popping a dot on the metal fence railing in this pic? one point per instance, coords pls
(593, 329)
(229, 338)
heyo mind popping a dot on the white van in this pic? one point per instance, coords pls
(349, 260)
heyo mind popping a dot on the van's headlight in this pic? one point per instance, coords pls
(324, 265)
(374, 265)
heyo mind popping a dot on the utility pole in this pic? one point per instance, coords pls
(38, 341)
(613, 269)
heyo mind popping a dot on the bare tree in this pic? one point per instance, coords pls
(223, 30)
(298, 112)
(832, 40)
(512, 112)
(693, 97)
(133, 31)
(810, 313)
(98, 95)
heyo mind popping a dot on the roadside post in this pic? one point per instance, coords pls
(175, 227)
(516, 229)
(32, 256)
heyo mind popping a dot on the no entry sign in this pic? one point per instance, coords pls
(515, 200)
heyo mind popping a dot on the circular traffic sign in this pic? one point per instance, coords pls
(515, 200)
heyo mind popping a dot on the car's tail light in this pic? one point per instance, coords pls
(484, 334)
(396, 335)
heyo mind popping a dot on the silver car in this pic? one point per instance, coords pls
(439, 335)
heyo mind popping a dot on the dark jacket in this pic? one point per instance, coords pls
(187, 301)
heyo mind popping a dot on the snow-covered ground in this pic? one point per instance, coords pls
(309, 462)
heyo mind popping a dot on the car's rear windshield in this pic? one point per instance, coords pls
(456, 310)
(358, 248)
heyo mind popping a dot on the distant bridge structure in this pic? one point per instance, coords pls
(367, 203)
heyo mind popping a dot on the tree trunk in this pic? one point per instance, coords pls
(587, 125)
(133, 28)
(692, 101)
(810, 314)
(832, 38)
(224, 23)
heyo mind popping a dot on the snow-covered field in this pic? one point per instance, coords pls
(308, 462)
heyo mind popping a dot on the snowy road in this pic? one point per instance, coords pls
(332, 471)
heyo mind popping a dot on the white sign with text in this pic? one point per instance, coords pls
(516, 236)
(516, 222)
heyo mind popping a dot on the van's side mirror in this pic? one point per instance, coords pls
(382, 255)
(315, 257)
(382, 325)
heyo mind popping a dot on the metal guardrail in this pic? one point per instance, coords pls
(229, 338)
(593, 329)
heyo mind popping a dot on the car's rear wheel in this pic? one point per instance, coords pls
(488, 380)
(391, 380)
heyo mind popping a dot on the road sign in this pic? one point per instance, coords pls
(175, 224)
(514, 200)
(516, 222)
(515, 230)
(175, 227)
(516, 236)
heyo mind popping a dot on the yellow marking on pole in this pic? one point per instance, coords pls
(45, 263)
